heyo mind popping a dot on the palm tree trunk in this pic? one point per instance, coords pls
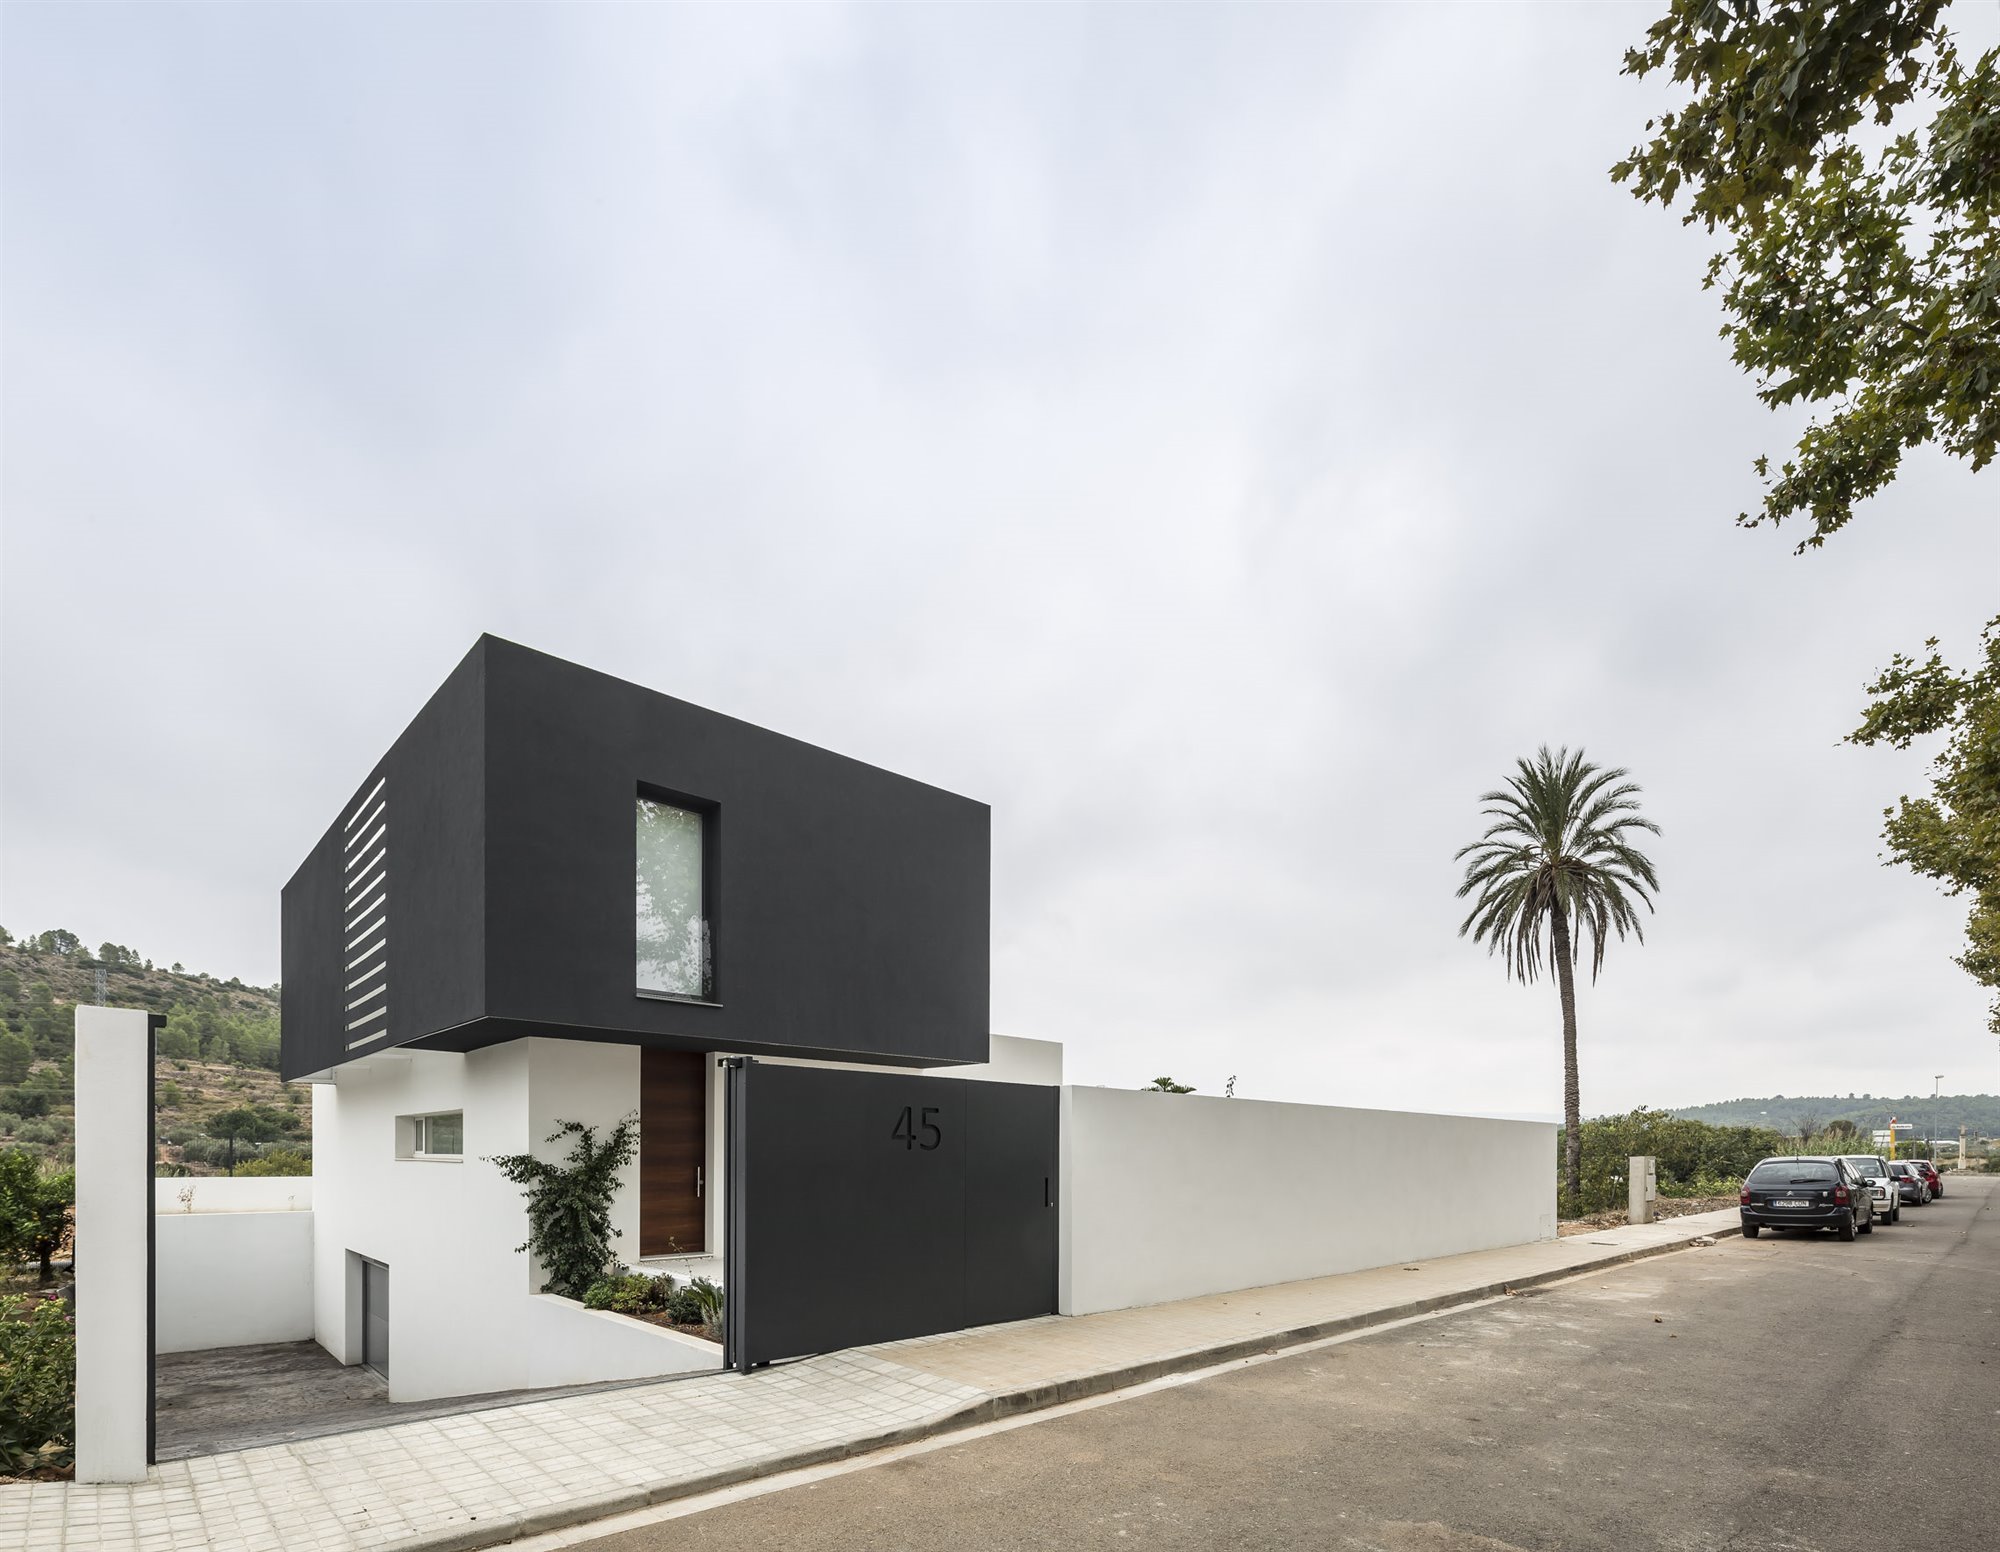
(1572, 1091)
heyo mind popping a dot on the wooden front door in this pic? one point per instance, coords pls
(673, 1152)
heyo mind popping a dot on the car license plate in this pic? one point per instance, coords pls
(1793, 1204)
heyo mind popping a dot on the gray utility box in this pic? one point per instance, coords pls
(1642, 1188)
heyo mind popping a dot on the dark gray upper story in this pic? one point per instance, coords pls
(480, 885)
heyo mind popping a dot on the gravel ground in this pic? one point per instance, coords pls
(1677, 1207)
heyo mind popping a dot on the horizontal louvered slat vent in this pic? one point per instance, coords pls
(365, 918)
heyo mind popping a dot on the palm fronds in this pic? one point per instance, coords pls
(1557, 864)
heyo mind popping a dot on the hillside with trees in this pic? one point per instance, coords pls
(221, 1104)
(1979, 1114)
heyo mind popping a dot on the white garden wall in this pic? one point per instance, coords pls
(231, 1278)
(233, 1193)
(1171, 1196)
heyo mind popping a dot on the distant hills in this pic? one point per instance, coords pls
(220, 1047)
(1979, 1114)
(218, 1052)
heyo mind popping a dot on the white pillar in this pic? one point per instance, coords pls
(114, 1211)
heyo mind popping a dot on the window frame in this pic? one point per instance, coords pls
(411, 1135)
(709, 812)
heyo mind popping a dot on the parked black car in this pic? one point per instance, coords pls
(1805, 1193)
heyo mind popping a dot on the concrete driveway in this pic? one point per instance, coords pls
(236, 1398)
(1724, 1398)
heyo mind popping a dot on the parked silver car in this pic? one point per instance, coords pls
(1885, 1201)
(1910, 1182)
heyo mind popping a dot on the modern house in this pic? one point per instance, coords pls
(560, 897)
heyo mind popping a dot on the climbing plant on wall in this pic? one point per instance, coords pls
(569, 1204)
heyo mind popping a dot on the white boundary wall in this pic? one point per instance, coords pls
(1171, 1196)
(232, 1193)
(234, 1261)
(232, 1278)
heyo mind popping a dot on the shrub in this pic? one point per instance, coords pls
(684, 1307)
(569, 1204)
(204, 1150)
(1701, 1185)
(633, 1294)
(279, 1161)
(708, 1298)
(34, 1210)
(1695, 1158)
(37, 1386)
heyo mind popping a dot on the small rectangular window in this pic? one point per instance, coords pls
(443, 1136)
(674, 951)
(437, 1136)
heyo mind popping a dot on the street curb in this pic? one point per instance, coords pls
(505, 1528)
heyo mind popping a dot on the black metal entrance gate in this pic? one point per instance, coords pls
(867, 1207)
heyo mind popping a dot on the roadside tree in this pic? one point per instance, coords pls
(1557, 865)
(34, 1211)
(1952, 836)
(1846, 157)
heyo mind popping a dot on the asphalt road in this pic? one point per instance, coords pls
(1795, 1395)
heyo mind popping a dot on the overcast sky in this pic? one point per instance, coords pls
(1221, 440)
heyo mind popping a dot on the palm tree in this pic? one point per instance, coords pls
(1555, 865)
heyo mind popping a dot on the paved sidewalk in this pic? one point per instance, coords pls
(479, 1478)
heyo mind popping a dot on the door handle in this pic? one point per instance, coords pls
(697, 1180)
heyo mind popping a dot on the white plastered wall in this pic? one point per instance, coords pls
(232, 1193)
(463, 1315)
(234, 1261)
(227, 1278)
(1171, 1196)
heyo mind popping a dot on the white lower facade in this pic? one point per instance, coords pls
(464, 1316)
(463, 1313)
(1162, 1197)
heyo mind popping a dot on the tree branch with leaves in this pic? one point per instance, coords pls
(1848, 157)
(1953, 835)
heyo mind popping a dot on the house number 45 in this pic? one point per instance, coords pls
(912, 1123)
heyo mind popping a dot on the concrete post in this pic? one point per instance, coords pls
(114, 1215)
(1640, 1189)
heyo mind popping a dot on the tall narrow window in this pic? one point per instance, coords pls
(673, 946)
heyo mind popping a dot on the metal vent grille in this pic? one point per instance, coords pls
(365, 910)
